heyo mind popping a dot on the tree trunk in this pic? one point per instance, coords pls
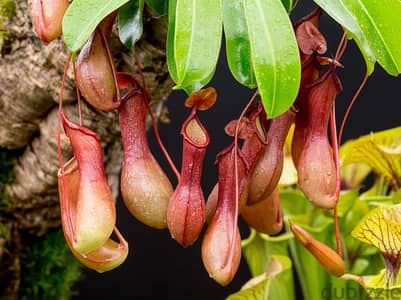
(30, 80)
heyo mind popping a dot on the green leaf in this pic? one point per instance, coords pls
(379, 21)
(352, 175)
(352, 218)
(172, 4)
(294, 202)
(360, 209)
(259, 247)
(238, 47)
(373, 25)
(339, 286)
(367, 53)
(381, 228)
(130, 26)
(346, 201)
(196, 42)
(159, 6)
(360, 265)
(276, 283)
(275, 54)
(377, 287)
(82, 17)
(288, 4)
(380, 151)
(339, 12)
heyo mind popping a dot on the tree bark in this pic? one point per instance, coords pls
(30, 80)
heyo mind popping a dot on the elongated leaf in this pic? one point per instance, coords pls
(197, 41)
(276, 283)
(275, 54)
(130, 26)
(288, 5)
(379, 21)
(373, 26)
(339, 12)
(159, 6)
(172, 4)
(238, 47)
(82, 17)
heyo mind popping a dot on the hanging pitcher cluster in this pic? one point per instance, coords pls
(249, 168)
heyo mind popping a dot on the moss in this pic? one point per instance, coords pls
(4, 233)
(7, 11)
(7, 8)
(49, 269)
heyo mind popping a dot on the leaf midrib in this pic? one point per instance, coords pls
(270, 45)
(393, 61)
(181, 80)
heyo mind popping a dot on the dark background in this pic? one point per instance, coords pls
(157, 267)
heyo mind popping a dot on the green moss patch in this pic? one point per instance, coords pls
(49, 269)
(7, 11)
(7, 8)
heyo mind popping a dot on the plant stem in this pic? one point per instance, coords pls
(113, 68)
(152, 117)
(230, 257)
(78, 95)
(341, 46)
(357, 93)
(163, 148)
(334, 145)
(60, 156)
(138, 65)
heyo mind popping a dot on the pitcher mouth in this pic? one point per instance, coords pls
(194, 132)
